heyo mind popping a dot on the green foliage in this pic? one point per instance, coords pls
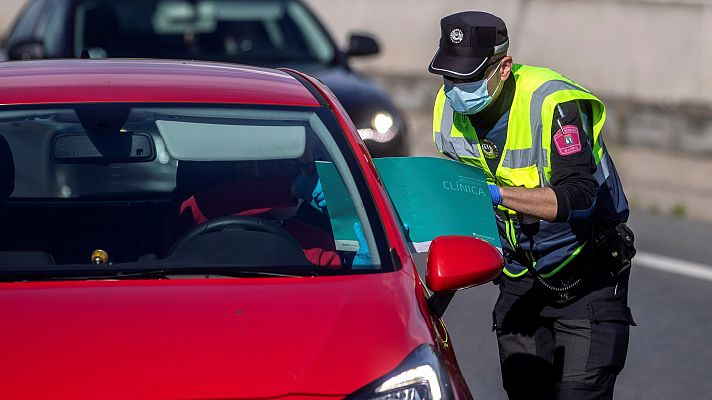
(679, 210)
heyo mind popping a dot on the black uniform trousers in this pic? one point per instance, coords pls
(562, 347)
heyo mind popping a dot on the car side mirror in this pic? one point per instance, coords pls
(26, 50)
(459, 262)
(362, 45)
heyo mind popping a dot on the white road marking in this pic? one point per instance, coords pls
(673, 265)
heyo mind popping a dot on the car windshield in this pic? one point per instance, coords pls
(180, 188)
(256, 32)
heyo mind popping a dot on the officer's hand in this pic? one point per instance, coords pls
(495, 194)
(363, 257)
(308, 188)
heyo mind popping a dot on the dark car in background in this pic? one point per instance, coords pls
(269, 33)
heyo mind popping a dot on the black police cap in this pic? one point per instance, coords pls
(468, 39)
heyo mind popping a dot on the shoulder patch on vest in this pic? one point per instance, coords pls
(567, 140)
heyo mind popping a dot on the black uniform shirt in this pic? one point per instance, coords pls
(572, 164)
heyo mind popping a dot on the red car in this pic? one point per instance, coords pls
(169, 231)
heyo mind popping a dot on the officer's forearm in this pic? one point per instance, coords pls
(538, 202)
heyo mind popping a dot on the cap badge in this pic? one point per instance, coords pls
(456, 36)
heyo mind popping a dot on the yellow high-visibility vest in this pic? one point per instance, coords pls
(526, 157)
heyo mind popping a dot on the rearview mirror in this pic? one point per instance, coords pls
(78, 148)
(459, 262)
(362, 45)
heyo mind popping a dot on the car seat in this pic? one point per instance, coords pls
(20, 243)
(211, 189)
(207, 190)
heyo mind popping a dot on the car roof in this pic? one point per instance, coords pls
(150, 81)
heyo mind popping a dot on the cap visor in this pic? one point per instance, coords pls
(457, 67)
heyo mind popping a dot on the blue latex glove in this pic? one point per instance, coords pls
(308, 188)
(318, 197)
(405, 230)
(495, 194)
(362, 258)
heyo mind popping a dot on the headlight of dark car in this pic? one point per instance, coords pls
(420, 376)
(383, 128)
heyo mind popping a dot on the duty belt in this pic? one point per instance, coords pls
(561, 284)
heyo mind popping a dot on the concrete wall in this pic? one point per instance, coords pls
(8, 10)
(650, 50)
(650, 60)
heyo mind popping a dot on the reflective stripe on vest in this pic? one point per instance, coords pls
(455, 147)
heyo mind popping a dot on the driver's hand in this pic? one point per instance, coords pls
(308, 188)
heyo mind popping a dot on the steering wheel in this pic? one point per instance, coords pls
(255, 224)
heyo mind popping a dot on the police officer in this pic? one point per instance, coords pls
(561, 319)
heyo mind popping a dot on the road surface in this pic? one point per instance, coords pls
(670, 352)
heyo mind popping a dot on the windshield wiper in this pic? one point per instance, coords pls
(158, 273)
(170, 273)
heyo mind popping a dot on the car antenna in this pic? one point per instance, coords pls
(85, 54)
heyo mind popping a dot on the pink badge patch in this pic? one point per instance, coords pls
(567, 142)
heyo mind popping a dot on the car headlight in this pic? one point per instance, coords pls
(419, 377)
(383, 128)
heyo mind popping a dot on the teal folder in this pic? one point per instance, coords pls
(433, 196)
(437, 196)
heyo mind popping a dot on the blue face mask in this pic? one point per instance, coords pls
(469, 97)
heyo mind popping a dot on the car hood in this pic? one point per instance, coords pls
(206, 338)
(361, 97)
